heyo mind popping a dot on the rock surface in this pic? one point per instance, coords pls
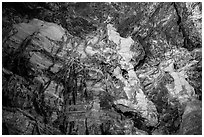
(102, 68)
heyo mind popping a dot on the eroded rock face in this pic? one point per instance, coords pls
(24, 125)
(18, 94)
(127, 75)
(192, 125)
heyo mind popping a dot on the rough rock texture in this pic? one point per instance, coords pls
(102, 68)
(191, 123)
